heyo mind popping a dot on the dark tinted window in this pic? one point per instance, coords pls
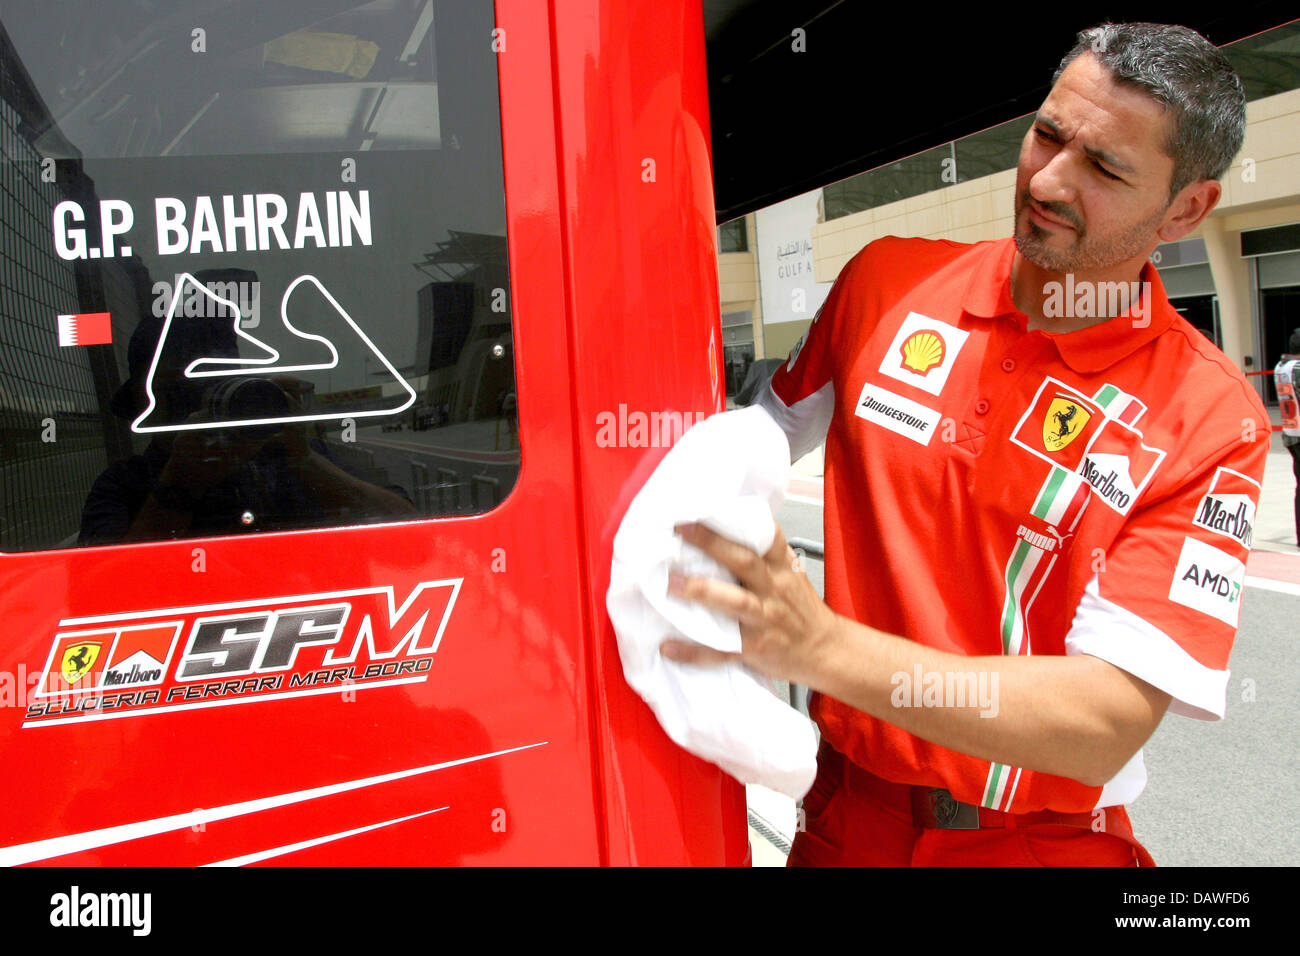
(253, 269)
(732, 237)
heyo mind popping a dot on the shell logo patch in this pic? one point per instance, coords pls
(1063, 423)
(923, 352)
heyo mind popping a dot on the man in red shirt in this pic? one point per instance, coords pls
(1040, 485)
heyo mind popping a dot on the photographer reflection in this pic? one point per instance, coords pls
(193, 482)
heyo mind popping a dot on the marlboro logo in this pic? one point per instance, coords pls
(1119, 465)
(86, 328)
(1229, 507)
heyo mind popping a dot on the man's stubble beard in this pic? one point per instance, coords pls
(1085, 254)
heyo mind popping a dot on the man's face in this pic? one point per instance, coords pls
(1092, 184)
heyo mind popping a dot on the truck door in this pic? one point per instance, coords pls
(293, 561)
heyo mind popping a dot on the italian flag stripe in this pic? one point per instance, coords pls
(1012, 625)
(1047, 494)
(1060, 501)
(1040, 580)
(1073, 503)
(1023, 577)
(1000, 787)
(993, 787)
(1133, 412)
(1118, 404)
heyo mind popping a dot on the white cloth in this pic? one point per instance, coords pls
(729, 472)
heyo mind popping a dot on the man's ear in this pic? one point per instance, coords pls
(1189, 208)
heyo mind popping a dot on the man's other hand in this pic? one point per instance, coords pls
(784, 624)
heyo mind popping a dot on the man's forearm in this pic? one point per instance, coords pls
(1076, 717)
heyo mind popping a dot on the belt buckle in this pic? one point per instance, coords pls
(938, 809)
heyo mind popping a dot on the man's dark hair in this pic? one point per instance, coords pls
(1294, 345)
(1189, 76)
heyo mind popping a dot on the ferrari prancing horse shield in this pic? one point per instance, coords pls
(78, 660)
(1064, 421)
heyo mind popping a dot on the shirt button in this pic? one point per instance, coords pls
(1008, 365)
(982, 407)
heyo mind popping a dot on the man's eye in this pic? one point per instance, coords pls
(1105, 172)
(1044, 134)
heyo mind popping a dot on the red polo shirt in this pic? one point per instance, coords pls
(993, 490)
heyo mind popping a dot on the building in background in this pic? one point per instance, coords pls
(1237, 278)
(738, 293)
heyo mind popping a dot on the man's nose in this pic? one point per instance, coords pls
(1054, 183)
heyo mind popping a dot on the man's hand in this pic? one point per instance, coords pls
(784, 625)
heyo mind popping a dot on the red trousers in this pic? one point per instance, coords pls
(853, 818)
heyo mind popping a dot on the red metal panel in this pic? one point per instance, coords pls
(643, 291)
(570, 766)
(510, 669)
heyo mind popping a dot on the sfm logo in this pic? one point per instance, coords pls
(206, 655)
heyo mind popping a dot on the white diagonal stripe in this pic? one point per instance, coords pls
(1268, 584)
(90, 839)
(317, 841)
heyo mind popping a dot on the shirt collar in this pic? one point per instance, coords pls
(1087, 350)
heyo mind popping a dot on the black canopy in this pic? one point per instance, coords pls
(880, 81)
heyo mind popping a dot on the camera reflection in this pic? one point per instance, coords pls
(204, 479)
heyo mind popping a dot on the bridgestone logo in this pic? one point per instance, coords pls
(896, 413)
(1105, 484)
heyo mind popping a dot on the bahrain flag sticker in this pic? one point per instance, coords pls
(86, 328)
